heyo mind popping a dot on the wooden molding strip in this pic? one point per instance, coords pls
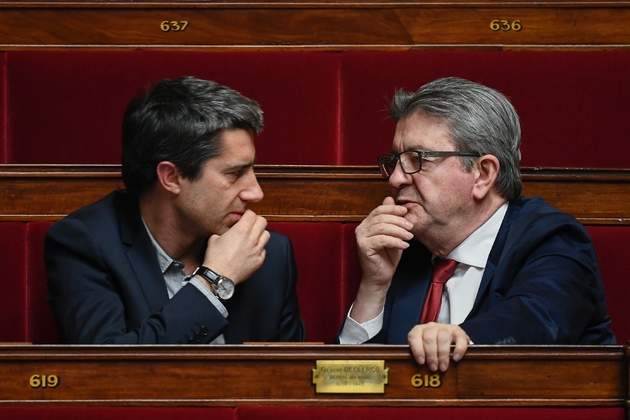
(320, 25)
(313, 4)
(282, 374)
(306, 193)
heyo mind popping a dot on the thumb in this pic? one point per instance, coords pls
(389, 201)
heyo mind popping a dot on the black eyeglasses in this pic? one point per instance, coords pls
(411, 160)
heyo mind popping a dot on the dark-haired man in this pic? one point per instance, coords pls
(177, 257)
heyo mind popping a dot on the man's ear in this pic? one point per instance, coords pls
(168, 176)
(486, 170)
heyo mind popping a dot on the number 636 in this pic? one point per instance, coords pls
(505, 25)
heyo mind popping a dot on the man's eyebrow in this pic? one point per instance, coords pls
(409, 149)
(239, 167)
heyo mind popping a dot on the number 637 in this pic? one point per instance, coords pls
(174, 25)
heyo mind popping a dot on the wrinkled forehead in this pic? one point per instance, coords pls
(420, 131)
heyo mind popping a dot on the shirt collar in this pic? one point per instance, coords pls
(164, 259)
(475, 249)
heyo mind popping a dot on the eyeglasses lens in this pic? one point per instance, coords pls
(410, 162)
(387, 164)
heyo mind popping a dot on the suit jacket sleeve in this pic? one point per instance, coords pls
(291, 324)
(98, 298)
(265, 306)
(543, 287)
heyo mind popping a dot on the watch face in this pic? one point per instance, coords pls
(225, 288)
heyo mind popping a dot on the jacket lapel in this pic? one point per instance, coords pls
(494, 258)
(142, 256)
(413, 278)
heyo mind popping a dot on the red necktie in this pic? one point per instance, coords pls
(443, 271)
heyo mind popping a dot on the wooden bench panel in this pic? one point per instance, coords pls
(496, 376)
(306, 193)
(383, 25)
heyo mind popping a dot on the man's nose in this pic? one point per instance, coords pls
(399, 178)
(252, 193)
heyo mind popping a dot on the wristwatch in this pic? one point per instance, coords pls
(223, 285)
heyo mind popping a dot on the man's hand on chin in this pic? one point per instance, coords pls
(241, 250)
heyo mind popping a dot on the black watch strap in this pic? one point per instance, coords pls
(207, 274)
(223, 286)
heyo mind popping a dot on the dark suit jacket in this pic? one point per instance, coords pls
(541, 285)
(105, 287)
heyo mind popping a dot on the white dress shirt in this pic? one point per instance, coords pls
(460, 290)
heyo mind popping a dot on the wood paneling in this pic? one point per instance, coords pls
(306, 193)
(321, 25)
(576, 376)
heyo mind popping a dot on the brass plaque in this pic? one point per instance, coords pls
(350, 376)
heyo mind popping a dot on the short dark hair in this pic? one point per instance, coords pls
(180, 121)
(480, 119)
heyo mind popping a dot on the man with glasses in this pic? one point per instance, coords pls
(167, 260)
(456, 255)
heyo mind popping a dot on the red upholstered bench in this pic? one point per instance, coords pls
(118, 413)
(320, 107)
(13, 282)
(67, 106)
(317, 248)
(612, 245)
(328, 271)
(310, 413)
(27, 317)
(450, 413)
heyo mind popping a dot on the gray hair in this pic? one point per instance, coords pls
(480, 119)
